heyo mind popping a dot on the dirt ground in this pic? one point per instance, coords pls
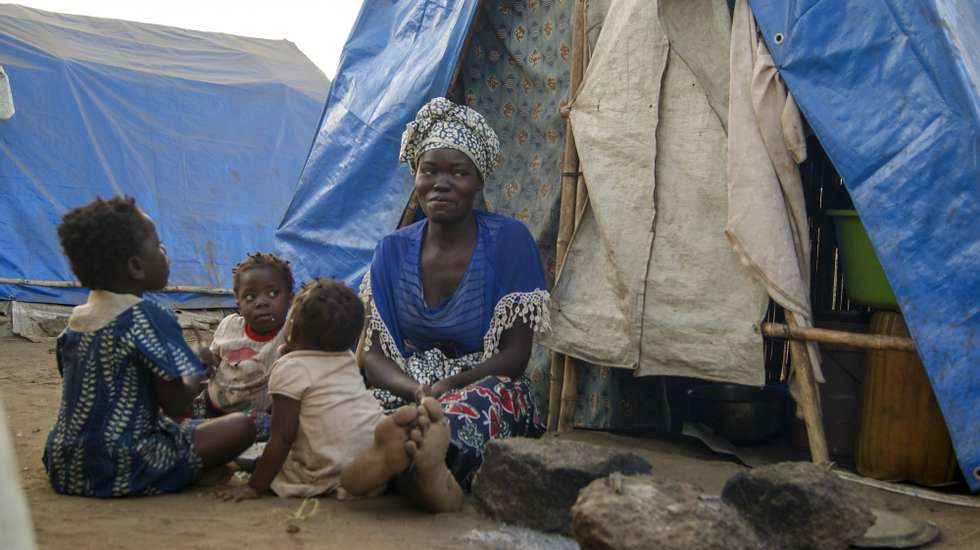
(30, 389)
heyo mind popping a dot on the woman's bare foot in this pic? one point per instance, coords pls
(388, 456)
(430, 483)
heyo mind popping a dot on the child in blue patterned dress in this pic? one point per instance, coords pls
(127, 370)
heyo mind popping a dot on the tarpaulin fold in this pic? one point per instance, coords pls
(767, 221)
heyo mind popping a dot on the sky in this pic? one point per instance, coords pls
(318, 28)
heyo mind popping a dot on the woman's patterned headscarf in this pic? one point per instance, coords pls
(442, 124)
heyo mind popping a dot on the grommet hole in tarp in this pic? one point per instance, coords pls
(778, 38)
(976, 473)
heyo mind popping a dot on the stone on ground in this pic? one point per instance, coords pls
(514, 537)
(799, 505)
(642, 512)
(534, 482)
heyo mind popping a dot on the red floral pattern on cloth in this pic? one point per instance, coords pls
(493, 408)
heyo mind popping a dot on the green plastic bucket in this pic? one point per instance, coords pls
(865, 280)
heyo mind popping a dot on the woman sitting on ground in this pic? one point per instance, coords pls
(454, 299)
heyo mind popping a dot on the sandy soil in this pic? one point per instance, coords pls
(30, 389)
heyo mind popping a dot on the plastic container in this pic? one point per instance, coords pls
(865, 280)
(902, 435)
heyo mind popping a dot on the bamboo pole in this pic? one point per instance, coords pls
(555, 383)
(856, 340)
(569, 396)
(809, 397)
(458, 69)
(567, 211)
(569, 379)
(573, 187)
(566, 222)
(570, 176)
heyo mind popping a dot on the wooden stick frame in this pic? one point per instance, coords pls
(809, 397)
(878, 342)
(563, 389)
(574, 197)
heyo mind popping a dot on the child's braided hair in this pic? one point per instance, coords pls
(262, 259)
(327, 312)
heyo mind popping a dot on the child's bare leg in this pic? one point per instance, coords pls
(386, 458)
(220, 440)
(430, 484)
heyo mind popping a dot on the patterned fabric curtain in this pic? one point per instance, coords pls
(515, 71)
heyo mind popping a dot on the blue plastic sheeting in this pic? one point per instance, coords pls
(207, 131)
(353, 191)
(892, 90)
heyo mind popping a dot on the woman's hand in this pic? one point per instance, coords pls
(423, 391)
(441, 387)
(237, 493)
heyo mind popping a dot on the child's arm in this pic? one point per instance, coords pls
(282, 433)
(207, 349)
(174, 396)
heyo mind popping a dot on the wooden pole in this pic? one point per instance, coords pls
(566, 223)
(458, 69)
(865, 341)
(408, 214)
(569, 396)
(573, 202)
(809, 396)
(74, 284)
(581, 199)
(557, 378)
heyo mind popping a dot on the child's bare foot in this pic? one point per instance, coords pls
(430, 484)
(388, 456)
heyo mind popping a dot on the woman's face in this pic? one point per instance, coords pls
(446, 184)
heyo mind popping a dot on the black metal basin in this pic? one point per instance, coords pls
(742, 414)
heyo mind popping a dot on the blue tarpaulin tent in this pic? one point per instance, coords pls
(352, 191)
(890, 88)
(209, 133)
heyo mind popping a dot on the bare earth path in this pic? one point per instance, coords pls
(30, 389)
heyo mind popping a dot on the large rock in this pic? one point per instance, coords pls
(798, 505)
(642, 512)
(534, 482)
